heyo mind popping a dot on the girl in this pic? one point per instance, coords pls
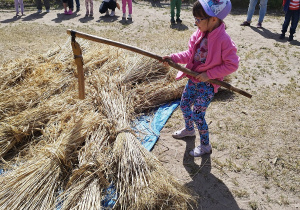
(17, 3)
(212, 53)
(87, 8)
(129, 2)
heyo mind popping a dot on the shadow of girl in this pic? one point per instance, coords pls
(210, 191)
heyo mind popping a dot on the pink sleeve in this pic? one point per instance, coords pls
(230, 61)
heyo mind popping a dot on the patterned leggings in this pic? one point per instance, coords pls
(200, 95)
(87, 2)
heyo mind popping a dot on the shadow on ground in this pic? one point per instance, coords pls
(211, 192)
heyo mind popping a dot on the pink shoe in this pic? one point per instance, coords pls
(70, 12)
(66, 12)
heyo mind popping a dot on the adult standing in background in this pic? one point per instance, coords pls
(39, 5)
(251, 9)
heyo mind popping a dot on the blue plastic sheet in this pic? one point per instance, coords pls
(150, 126)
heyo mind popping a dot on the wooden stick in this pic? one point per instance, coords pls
(79, 62)
(159, 58)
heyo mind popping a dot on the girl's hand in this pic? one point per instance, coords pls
(202, 77)
(166, 58)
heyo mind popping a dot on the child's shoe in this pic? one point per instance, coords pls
(178, 20)
(107, 13)
(172, 21)
(87, 14)
(129, 18)
(39, 11)
(282, 36)
(66, 12)
(201, 150)
(91, 15)
(124, 16)
(291, 37)
(70, 12)
(112, 13)
(183, 133)
(17, 14)
(47, 10)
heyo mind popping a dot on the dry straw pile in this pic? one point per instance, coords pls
(57, 148)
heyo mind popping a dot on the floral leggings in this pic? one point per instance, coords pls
(200, 95)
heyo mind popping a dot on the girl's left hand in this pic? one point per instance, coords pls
(202, 77)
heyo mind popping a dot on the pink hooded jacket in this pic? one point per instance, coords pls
(221, 59)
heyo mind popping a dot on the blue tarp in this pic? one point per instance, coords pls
(151, 126)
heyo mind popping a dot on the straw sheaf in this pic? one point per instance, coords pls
(87, 183)
(141, 181)
(34, 184)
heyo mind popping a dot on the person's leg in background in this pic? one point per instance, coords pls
(178, 9)
(251, 9)
(295, 19)
(173, 4)
(77, 5)
(262, 10)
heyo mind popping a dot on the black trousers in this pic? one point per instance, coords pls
(107, 5)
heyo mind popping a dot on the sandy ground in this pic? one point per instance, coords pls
(255, 160)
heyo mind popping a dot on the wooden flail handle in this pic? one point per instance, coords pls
(154, 56)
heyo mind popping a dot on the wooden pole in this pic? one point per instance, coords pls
(159, 58)
(79, 62)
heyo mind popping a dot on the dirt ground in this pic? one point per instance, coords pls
(255, 159)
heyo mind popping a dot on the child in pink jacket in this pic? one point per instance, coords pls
(212, 53)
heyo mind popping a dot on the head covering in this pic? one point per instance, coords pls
(216, 8)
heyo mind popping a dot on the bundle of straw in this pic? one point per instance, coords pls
(152, 95)
(87, 183)
(144, 70)
(35, 183)
(141, 181)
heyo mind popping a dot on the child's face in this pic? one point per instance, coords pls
(202, 23)
(205, 24)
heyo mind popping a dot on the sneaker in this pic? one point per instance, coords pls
(178, 20)
(258, 25)
(107, 13)
(201, 150)
(17, 14)
(47, 10)
(124, 15)
(245, 23)
(91, 15)
(183, 133)
(282, 36)
(172, 21)
(112, 13)
(78, 9)
(70, 12)
(39, 11)
(291, 38)
(129, 17)
(87, 14)
(66, 12)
